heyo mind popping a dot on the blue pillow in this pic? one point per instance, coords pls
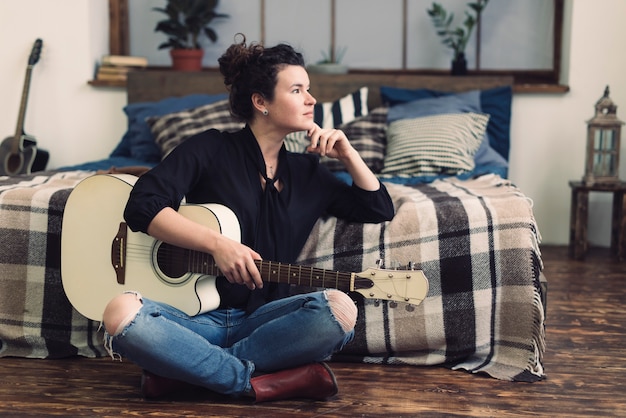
(487, 156)
(138, 141)
(496, 102)
(454, 103)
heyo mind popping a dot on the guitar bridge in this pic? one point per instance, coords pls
(118, 253)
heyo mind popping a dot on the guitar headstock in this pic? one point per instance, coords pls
(407, 286)
(35, 52)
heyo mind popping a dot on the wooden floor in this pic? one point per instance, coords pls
(585, 365)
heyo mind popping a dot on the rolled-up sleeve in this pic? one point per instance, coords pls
(166, 184)
(147, 199)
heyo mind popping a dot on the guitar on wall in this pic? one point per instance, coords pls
(19, 153)
(101, 258)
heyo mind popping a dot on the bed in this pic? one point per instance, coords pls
(458, 219)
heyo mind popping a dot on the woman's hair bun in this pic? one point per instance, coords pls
(237, 58)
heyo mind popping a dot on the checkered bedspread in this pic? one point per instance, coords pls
(475, 240)
(477, 243)
(36, 318)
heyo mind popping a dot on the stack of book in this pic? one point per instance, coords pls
(116, 67)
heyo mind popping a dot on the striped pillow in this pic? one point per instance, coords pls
(332, 114)
(441, 144)
(366, 134)
(172, 129)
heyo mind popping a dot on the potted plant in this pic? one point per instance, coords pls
(186, 23)
(330, 62)
(456, 38)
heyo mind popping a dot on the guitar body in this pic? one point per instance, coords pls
(14, 163)
(91, 220)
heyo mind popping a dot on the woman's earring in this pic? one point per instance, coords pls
(265, 112)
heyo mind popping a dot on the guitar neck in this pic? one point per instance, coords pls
(19, 129)
(275, 272)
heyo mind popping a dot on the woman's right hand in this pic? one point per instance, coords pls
(236, 262)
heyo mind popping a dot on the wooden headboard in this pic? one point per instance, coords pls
(153, 85)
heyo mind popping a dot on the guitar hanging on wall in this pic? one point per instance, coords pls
(19, 153)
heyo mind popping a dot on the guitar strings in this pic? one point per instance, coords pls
(193, 260)
(198, 262)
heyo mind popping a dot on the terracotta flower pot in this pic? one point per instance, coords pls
(187, 59)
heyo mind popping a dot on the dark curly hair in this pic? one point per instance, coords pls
(249, 69)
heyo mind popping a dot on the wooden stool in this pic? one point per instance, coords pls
(579, 213)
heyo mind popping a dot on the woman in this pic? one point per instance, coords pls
(260, 342)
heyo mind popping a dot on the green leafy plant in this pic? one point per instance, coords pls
(186, 21)
(455, 38)
(332, 58)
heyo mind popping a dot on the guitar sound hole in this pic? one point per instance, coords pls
(14, 163)
(172, 260)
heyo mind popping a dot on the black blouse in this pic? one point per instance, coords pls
(220, 167)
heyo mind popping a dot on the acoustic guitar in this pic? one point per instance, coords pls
(101, 258)
(19, 153)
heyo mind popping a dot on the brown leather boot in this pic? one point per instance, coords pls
(155, 386)
(313, 381)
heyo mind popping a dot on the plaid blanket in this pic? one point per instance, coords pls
(36, 318)
(477, 243)
(475, 240)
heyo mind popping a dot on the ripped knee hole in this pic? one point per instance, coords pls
(120, 311)
(343, 308)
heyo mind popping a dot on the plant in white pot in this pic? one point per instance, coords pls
(330, 62)
(456, 38)
(186, 23)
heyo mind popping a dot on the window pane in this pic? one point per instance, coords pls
(609, 139)
(517, 35)
(303, 24)
(373, 35)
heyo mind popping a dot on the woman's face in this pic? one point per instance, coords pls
(292, 107)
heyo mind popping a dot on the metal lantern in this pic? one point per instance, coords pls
(603, 143)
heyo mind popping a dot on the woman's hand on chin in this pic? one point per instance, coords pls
(332, 143)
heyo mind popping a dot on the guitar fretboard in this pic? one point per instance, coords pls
(274, 272)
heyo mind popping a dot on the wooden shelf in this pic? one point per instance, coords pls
(528, 88)
(540, 88)
(107, 83)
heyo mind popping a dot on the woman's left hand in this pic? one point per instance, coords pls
(331, 143)
(334, 143)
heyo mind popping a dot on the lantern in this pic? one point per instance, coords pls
(603, 143)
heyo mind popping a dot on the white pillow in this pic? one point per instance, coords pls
(432, 145)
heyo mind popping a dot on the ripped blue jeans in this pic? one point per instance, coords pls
(221, 349)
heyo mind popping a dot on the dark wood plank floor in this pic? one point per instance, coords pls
(585, 364)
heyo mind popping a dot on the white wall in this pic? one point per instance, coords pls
(549, 131)
(69, 118)
(77, 122)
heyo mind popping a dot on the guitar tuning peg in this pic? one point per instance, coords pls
(377, 303)
(411, 265)
(393, 305)
(410, 308)
(380, 263)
